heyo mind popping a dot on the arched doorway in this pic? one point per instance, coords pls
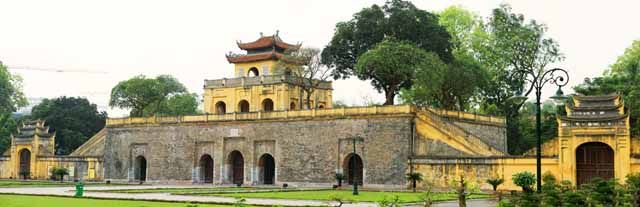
(267, 105)
(321, 106)
(235, 162)
(253, 72)
(25, 163)
(353, 168)
(292, 106)
(243, 106)
(267, 169)
(594, 159)
(140, 168)
(206, 168)
(221, 107)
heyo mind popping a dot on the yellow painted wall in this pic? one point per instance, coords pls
(264, 67)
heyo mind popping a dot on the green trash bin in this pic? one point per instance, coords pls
(79, 189)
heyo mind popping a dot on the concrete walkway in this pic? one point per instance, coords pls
(69, 191)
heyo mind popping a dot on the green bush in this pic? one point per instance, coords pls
(59, 172)
(524, 180)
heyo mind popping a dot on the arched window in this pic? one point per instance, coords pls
(267, 105)
(266, 169)
(235, 166)
(253, 72)
(221, 107)
(243, 106)
(292, 106)
(321, 106)
(140, 168)
(206, 168)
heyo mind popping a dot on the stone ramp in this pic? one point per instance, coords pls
(431, 126)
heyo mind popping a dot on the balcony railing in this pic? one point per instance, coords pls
(261, 80)
(336, 112)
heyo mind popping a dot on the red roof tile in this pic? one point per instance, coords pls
(254, 57)
(267, 41)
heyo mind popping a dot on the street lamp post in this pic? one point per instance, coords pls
(537, 79)
(353, 168)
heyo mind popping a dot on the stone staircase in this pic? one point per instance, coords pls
(430, 125)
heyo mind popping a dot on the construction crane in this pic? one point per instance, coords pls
(54, 70)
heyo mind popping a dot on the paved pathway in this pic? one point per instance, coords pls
(68, 191)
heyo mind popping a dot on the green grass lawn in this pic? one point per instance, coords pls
(179, 190)
(364, 196)
(29, 183)
(47, 201)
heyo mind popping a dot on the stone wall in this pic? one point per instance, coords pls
(492, 134)
(308, 150)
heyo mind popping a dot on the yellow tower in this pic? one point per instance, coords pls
(32, 141)
(257, 86)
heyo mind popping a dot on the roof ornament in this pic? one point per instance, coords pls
(261, 35)
(277, 32)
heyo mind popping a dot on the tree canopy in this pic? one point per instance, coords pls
(73, 119)
(391, 66)
(306, 65)
(397, 19)
(163, 95)
(11, 98)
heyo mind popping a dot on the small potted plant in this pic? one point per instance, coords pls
(339, 177)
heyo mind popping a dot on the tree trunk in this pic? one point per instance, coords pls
(414, 186)
(390, 95)
(309, 100)
(61, 178)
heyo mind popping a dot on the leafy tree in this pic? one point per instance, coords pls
(527, 128)
(176, 105)
(148, 96)
(448, 86)
(73, 119)
(8, 126)
(391, 66)
(306, 66)
(397, 19)
(11, 98)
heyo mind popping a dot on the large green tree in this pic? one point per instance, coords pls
(391, 66)
(622, 78)
(11, 98)
(149, 96)
(449, 86)
(397, 19)
(74, 120)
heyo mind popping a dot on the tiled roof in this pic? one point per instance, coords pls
(267, 41)
(273, 55)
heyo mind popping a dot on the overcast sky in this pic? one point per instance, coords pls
(188, 39)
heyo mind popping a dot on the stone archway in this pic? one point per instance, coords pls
(266, 169)
(353, 169)
(24, 170)
(235, 161)
(221, 107)
(140, 168)
(594, 159)
(206, 168)
(243, 106)
(267, 105)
